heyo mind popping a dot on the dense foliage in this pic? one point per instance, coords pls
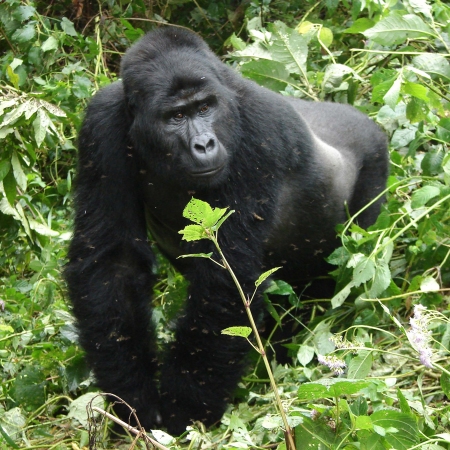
(370, 366)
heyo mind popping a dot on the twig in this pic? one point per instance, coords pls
(128, 427)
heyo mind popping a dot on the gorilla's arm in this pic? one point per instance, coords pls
(110, 263)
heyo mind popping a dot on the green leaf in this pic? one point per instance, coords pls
(265, 275)
(13, 77)
(29, 386)
(360, 25)
(360, 366)
(330, 388)
(434, 64)
(49, 44)
(25, 34)
(78, 411)
(4, 169)
(326, 36)
(363, 271)
(429, 284)
(396, 29)
(382, 278)
(401, 430)
(416, 90)
(67, 27)
(432, 162)
(342, 295)
(193, 233)
(19, 174)
(197, 255)
(271, 74)
(404, 405)
(200, 212)
(445, 384)
(237, 331)
(9, 185)
(421, 196)
(305, 354)
(392, 95)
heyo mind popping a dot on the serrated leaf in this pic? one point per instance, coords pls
(237, 331)
(416, 90)
(193, 233)
(396, 29)
(200, 212)
(381, 280)
(361, 365)
(13, 77)
(421, 196)
(265, 275)
(363, 271)
(25, 34)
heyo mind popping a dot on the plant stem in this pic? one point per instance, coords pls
(288, 432)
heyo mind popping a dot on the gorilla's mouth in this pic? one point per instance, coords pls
(207, 172)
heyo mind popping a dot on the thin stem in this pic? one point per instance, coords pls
(290, 440)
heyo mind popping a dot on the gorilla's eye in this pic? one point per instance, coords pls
(178, 115)
(204, 108)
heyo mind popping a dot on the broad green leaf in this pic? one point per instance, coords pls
(321, 338)
(9, 185)
(445, 384)
(49, 44)
(361, 365)
(67, 27)
(363, 423)
(236, 42)
(25, 34)
(193, 233)
(381, 280)
(78, 408)
(392, 95)
(289, 48)
(405, 435)
(396, 29)
(434, 64)
(421, 196)
(29, 387)
(342, 295)
(314, 434)
(19, 174)
(5, 166)
(244, 332)
(13, 77)
(305, 354)
(432, 162)
(334, 76)
(360, 25)
(200, 212)
(416, 90)
(403, 403)
(271, 74)
(265, 275)
(330, 388)
(41, 228)
(429, 284)
(363, 271)
(326, 36)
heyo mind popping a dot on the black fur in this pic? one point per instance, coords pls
(183, 124)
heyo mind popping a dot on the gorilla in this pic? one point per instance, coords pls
(180, 123)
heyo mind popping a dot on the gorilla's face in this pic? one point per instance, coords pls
(185, 122)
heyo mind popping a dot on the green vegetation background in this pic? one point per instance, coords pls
(390, 58)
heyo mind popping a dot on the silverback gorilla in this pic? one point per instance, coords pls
(179, 124)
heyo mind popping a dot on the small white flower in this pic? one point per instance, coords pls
(333, 363)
